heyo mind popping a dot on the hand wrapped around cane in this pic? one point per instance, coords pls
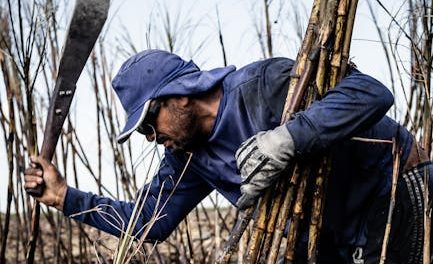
(261, 160)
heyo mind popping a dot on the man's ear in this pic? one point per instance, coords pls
(184, 101)
(178, 101)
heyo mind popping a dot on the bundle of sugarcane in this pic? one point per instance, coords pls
(321, 62)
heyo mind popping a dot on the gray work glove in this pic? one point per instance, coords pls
(261, 159)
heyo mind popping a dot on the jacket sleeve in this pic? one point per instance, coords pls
(112, 216)
(355, 104)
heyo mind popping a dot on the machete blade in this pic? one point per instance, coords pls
(86, 24)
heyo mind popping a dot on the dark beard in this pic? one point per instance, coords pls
(191, 137)
(188, 145)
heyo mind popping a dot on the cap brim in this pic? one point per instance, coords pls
(134, 120)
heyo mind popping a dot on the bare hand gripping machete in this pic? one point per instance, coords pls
(87, 21)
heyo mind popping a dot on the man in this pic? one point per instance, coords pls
(230, 119)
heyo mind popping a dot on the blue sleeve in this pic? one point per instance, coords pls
(190, 191)
(355, 104)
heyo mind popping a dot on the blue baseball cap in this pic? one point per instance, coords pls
(151, 74)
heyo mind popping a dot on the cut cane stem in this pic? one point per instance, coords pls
(299, 67)
(348, 37)
(235, 236)
(317, 211)
(282, 218)
(396, 152)
(258, 229)
(296, 218)
(338, 43)
(270, 226)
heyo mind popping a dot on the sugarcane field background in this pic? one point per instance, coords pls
(391, 40)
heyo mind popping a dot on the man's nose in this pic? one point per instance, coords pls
(150, 137)
(168, 144)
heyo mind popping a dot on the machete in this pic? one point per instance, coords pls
(87, 21)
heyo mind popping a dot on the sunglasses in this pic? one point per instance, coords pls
(147, 127)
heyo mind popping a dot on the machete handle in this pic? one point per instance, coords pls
(59, 107)
(39, 189)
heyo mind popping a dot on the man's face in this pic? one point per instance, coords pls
(176, 125)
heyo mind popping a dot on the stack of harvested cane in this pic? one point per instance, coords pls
(321, 63)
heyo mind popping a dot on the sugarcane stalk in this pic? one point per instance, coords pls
(296, 218)
(323, 65)
(338, 42)
(282, 218)
(396, 152)
(303, 82)
(243, 244)
(235, 235)
(317, 210)
(322, 70)
(327, 28)
(258, 229)
(270, 227)
(301, 60)
(348, 37)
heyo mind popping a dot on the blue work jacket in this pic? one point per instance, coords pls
(253, 100)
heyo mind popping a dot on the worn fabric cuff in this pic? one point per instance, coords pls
(305, 137)
(72, 202)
